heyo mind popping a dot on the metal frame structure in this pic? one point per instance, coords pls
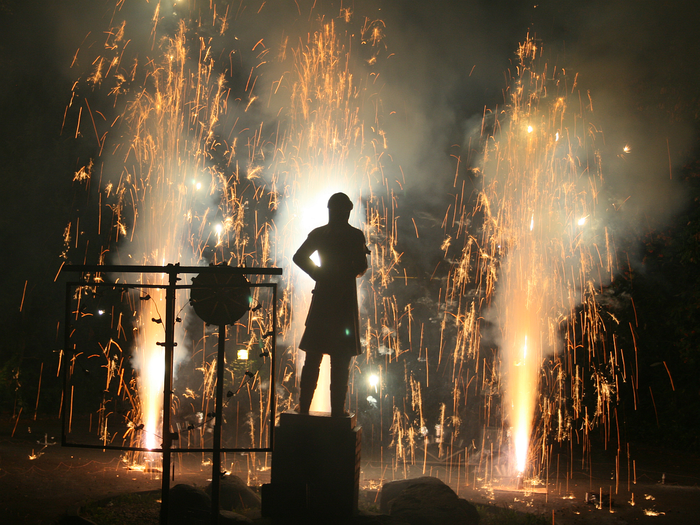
(173, 271)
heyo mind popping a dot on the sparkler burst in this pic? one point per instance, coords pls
(187, 177)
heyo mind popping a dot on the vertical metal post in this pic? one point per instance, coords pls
(273, 357)
(65, 362)
(218, 421)
(167, 387)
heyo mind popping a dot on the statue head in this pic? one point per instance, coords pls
(339, 207)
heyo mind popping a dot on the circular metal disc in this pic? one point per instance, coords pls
(220, 298)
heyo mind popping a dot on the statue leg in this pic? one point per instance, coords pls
(340, 371)
(309, 379)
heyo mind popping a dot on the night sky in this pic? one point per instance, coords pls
(638, 60)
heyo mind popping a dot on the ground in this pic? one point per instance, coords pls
(40, 482)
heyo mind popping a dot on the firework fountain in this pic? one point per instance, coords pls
(192, 179)
(540, 230)
(216, 150)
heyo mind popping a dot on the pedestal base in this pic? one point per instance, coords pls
(315, 466)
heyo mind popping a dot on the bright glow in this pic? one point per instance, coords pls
(316, 259)
(532, 222)
(100, 312)
(582, 221)
(219, 228)
(626, 149)
(151, 393)
(521, 441)
(530, 129)
(374, 381)
(243, 354)
(521, 424)
(198, 185)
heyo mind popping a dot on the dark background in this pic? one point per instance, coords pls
(637, 59)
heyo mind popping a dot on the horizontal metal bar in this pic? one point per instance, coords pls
(160, 451)
(170, 268)
(78, 284)
(269, 449)
(108, 447)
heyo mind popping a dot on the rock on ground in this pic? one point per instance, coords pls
(426, 501)
(235, 494)
(189, 505)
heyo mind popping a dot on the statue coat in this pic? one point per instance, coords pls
(333, 321)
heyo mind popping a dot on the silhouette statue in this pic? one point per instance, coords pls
(333, 321)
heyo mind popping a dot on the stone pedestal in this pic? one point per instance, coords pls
(315, 466)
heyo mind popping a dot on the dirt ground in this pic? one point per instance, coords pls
(40, 481)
